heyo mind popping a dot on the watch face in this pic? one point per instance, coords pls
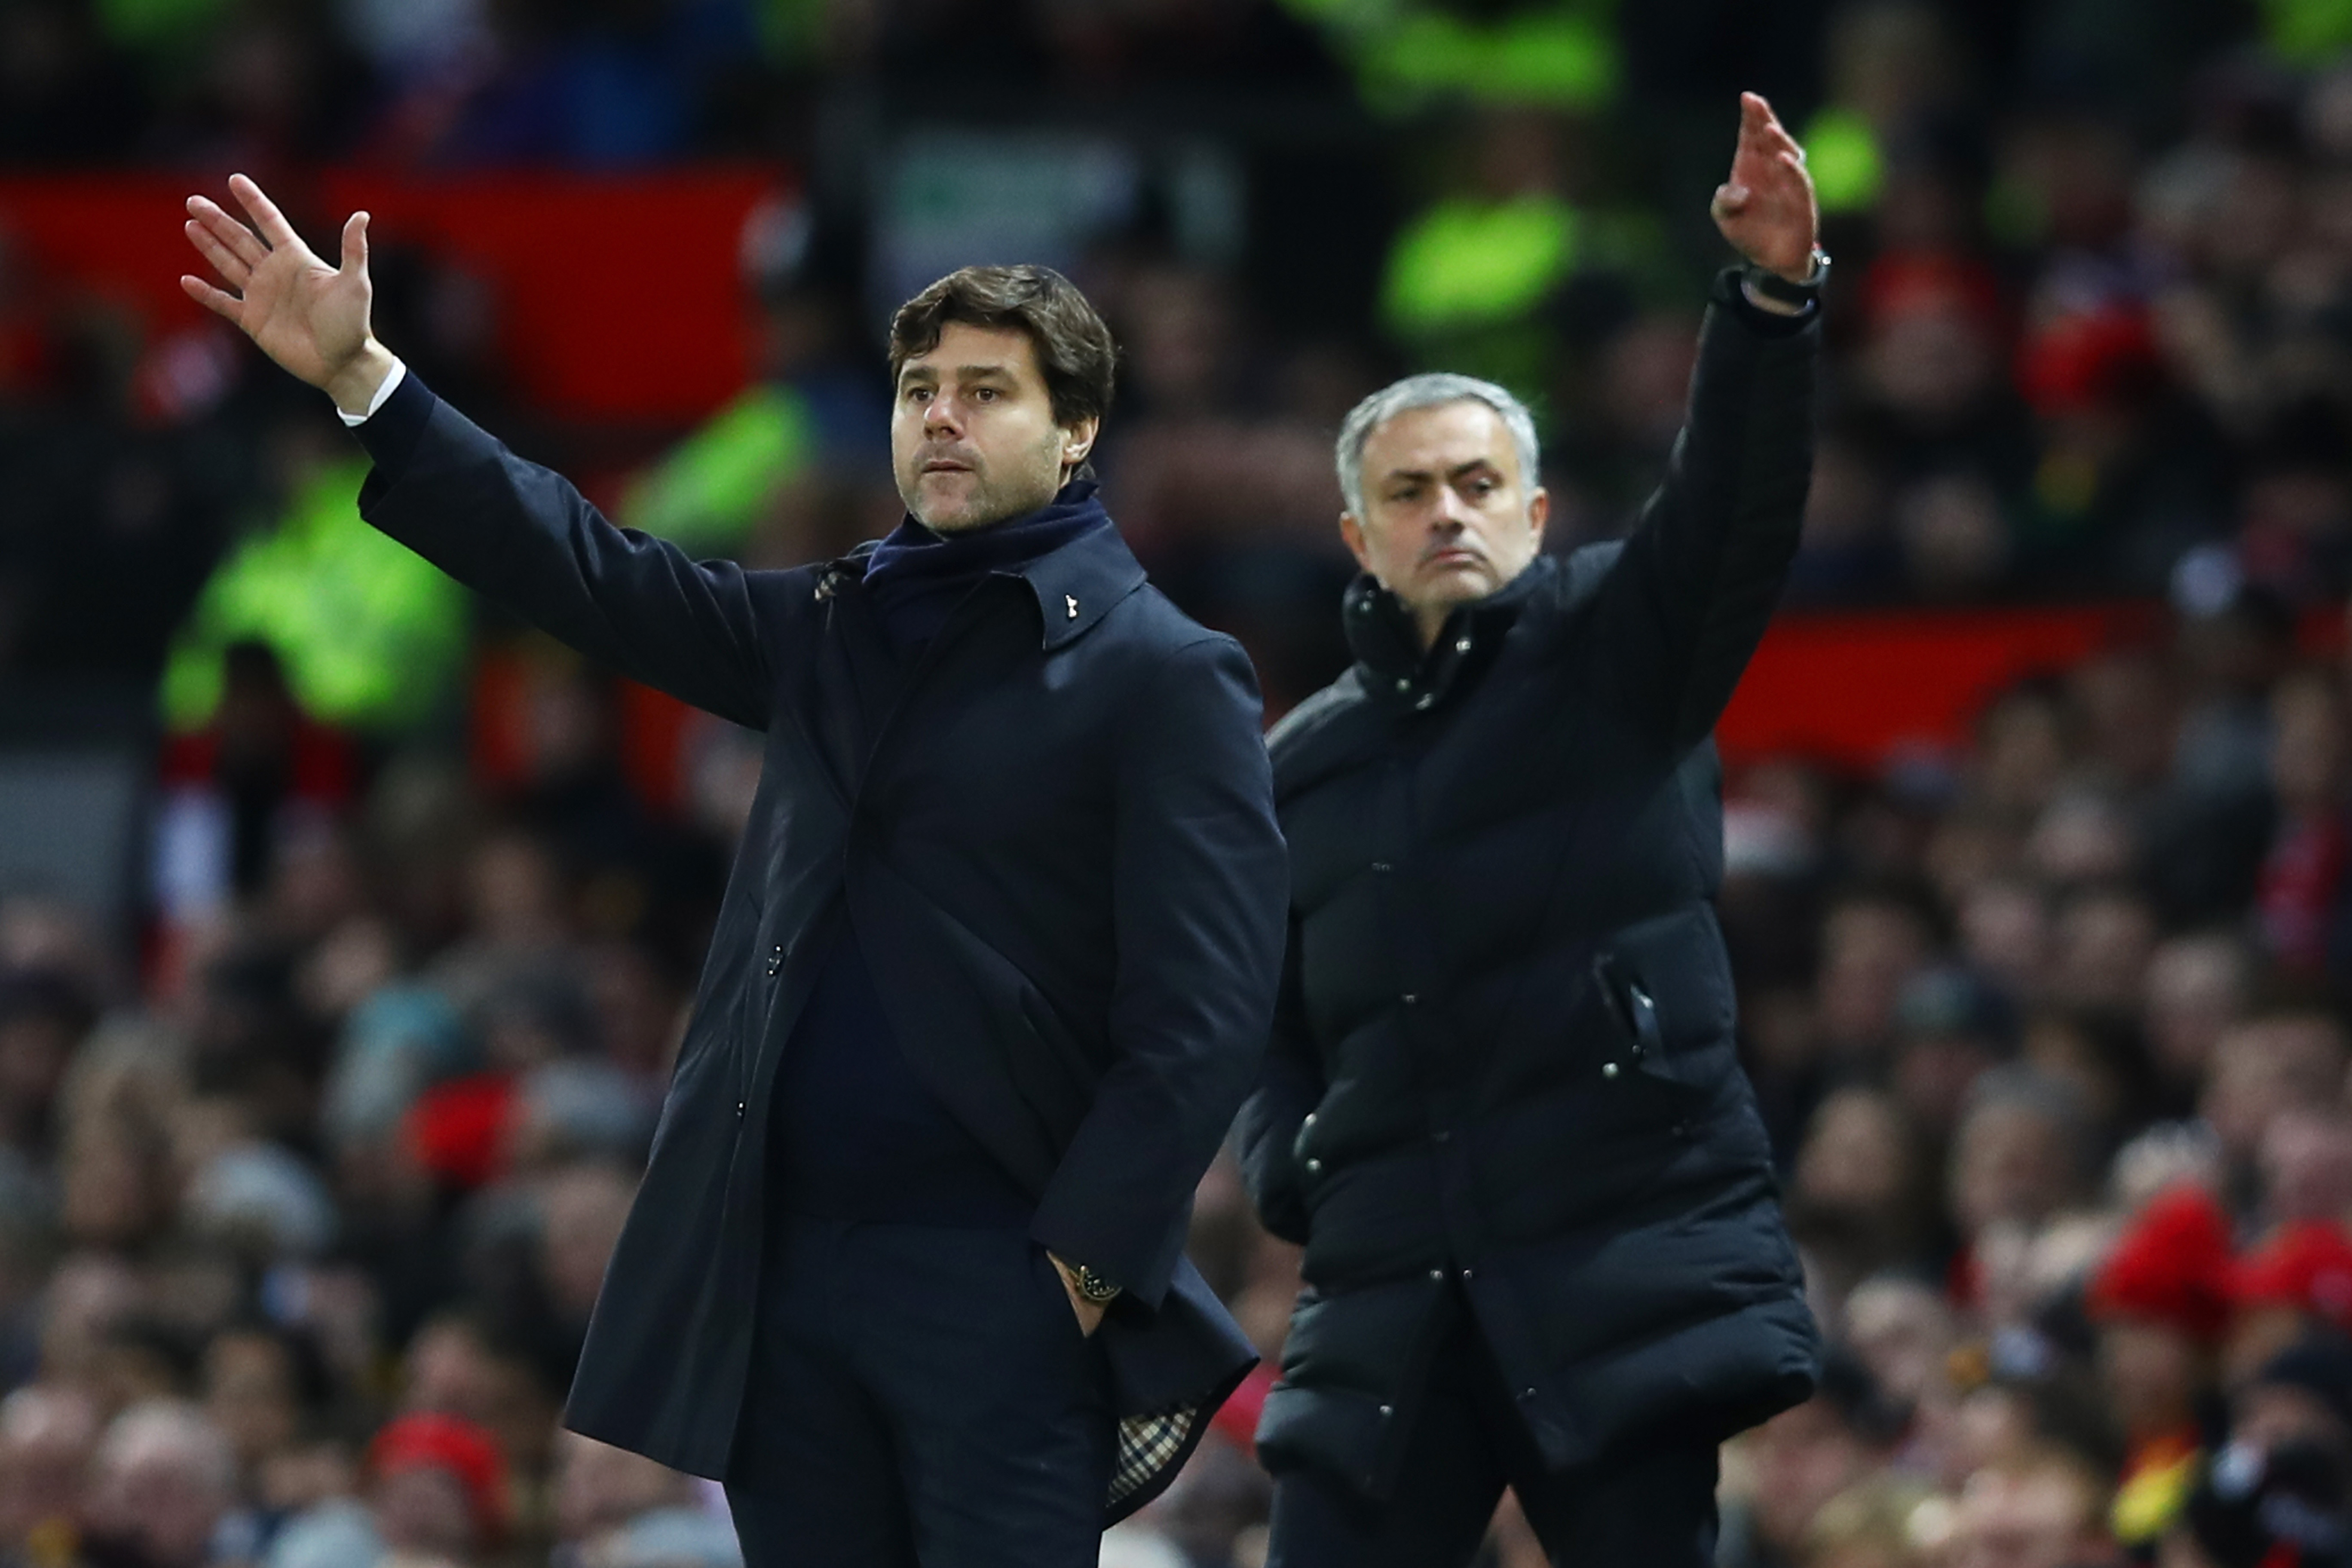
(1094, 1287)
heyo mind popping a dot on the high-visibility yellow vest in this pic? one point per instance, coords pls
(705, 494)
(368, 633)
(1561, 53)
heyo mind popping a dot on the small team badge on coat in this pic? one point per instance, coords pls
(1071, 600)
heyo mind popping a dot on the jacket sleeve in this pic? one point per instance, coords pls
(1201, 886)
(524, 538)
(1686, 602)
(1289, 1086)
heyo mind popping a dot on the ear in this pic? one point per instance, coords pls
(1539, 511)
(1078, 439)
(1352, 533)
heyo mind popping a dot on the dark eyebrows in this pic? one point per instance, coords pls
(966, 373)
(1458, 471)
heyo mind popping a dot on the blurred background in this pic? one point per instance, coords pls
(345, 926)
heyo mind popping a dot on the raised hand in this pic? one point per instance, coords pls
(312, 318)
(1766, 208)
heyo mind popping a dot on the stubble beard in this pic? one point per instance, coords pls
(984, 503)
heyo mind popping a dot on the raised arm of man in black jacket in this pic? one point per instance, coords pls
(1688, 597)
(518, 532)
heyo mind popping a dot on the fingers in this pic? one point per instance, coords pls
(1761, 129)
(239, 240)
(226, 262)
(264, 213)
(355, 249)
(227, 306)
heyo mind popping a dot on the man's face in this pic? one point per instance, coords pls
(972, 436)
(1447, 516)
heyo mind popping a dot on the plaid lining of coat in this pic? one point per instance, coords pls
(1149, 1444)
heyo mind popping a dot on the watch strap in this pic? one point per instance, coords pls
(1791, 291)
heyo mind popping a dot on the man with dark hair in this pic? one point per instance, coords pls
(992, 972)
(1503, 1109)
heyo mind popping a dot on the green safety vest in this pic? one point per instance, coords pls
(708, 491)
(1841, 153)
(2308, 32)
(1561, 53)
(1466, 262)
(368, 633)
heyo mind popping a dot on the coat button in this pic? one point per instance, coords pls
(1527, 1393)
(1426, 700)
(1461, 644)
(1387, 1411)
(739, 1108)
(1438, 1275)
(1411, 998)
(1405, 683)
(1314, 1167)
(1310, 1120)
(1466, 1275)
(1608, 1069)
(1381, 867)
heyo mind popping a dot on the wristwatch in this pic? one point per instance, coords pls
(1092, 1288)
(1804, 291)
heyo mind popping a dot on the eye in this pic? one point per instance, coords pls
(917, 393)
(985, 394)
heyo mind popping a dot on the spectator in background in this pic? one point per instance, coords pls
(47, 1435)
(162, 1491)
(439, 1491)
(2160, 1302)
(2039, 1509)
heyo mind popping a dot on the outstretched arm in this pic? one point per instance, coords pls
(1687, 601)
(517, 533)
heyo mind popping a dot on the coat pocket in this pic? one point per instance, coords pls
(1645, 1042)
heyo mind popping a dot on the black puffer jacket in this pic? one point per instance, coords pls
(1504, 1052)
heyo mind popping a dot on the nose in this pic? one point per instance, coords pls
(939, 416)
(1453, 514)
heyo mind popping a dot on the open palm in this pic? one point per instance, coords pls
(312, 318)
(1766, 208)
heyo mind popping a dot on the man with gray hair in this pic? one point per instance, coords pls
(1503, 1109)
(164, 1479)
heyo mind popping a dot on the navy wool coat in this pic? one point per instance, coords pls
(1056, 843)
(1504, 1059)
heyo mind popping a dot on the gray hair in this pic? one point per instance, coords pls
(176, 1432)
(1431, 389)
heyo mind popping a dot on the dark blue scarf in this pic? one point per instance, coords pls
(918, 577)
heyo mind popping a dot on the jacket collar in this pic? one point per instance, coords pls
(1396, 669)
(1074, 586)
(1077, 584)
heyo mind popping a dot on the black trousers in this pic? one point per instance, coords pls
(1651, 1505)
(920, 1398)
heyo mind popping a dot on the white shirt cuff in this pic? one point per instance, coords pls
(383, 393)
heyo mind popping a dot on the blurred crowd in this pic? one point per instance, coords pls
(306, 1191)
